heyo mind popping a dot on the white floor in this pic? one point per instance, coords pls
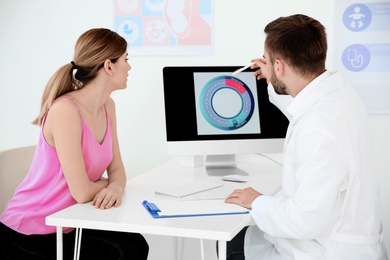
(164, 248)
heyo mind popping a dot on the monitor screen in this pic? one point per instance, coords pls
(210, 112)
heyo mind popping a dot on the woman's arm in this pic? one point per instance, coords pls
(62, 130)
(112, 194)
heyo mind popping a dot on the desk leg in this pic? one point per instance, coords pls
(77, 244)
(201, 249)
(179, 247)
(222, 250)
(59, 243)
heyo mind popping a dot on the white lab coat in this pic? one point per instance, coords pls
(328, 207)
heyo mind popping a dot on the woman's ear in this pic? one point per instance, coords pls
(108, 67)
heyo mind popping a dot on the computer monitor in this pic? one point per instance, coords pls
(209, 112)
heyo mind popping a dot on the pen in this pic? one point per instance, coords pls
(242, 69)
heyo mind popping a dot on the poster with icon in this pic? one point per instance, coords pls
(166, 27)
(363, 50)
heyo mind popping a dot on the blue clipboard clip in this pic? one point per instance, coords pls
(151, 207)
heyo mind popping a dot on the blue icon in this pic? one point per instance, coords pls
(356, 57)
(127, 29)
(357, 17)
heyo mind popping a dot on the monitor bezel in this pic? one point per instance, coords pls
(175, 78)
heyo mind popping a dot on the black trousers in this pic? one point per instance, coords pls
(235, 247)
(95, 244)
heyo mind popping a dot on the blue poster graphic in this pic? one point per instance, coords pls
(165, 27)
(357, 17)
(363, 50)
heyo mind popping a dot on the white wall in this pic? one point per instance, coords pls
(37, 37)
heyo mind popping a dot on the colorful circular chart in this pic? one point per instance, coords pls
(226, 103)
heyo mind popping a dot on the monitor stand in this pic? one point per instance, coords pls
(221, 165)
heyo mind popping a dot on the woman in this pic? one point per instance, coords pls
(77, 144)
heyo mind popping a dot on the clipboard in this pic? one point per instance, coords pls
(192, 208)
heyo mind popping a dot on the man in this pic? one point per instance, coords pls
(328, 207)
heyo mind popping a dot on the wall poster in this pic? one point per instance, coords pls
(363, 50)
(166, 27)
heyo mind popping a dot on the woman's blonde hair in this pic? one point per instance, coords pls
(92, 49)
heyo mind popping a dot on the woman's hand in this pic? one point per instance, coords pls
(108, 197)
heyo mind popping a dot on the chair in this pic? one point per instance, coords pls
(14, 166)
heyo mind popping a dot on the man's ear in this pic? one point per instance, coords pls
(108, 67)
(279, 67)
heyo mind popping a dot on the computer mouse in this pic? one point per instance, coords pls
(234, 178)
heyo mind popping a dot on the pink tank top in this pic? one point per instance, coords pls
(45, 191)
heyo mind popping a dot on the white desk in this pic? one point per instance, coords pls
(131, 216)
